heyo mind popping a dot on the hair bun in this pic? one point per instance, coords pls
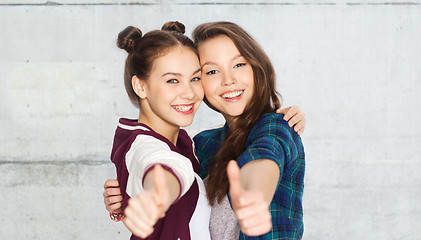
(128, 38)
(174, 26)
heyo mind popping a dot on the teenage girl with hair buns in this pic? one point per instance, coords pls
(156, 165)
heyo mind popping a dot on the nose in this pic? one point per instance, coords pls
(187, 92)
(229, 78)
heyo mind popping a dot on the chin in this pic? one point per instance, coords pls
(185, 123)
(235, 113)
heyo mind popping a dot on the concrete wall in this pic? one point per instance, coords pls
(353, 66)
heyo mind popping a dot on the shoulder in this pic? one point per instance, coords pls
(126, 133)
(273, 118)
(141, 137)
(144, 140)
(272, 130)
(144, 146)
(273, 124)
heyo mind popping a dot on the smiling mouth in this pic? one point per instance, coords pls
(183, 108)
(233, 94)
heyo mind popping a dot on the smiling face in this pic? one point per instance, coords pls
(173, 92)
(227, 77)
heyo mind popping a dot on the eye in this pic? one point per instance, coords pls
(239, 65)
(195, 79)
(172, 81)
(212, 72)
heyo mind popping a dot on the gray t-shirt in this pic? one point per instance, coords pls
(223, 224)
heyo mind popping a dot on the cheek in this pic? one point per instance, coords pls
(209, 90)
(198, 90)
(250, 76)
(164, 94)
(249, 80)
(210, 84)
(205, 85)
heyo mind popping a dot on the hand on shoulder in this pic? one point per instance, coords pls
(295, 118)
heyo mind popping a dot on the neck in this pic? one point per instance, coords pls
(228, 119)
(160, 126)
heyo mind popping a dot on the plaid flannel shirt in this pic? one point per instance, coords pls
(270, 138)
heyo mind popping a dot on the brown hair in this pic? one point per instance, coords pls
(264, 100)
(143, 51)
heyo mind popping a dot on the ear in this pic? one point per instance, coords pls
(138, 86)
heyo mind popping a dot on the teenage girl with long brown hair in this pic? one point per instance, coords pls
(239, 82)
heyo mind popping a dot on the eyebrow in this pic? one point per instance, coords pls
(179, 74)
(198, 70)
(214, 63)
(171, 73)
(237, 56)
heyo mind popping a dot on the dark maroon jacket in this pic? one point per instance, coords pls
(175, 224)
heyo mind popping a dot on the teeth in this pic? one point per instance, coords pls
(232, 94)
(183, 108)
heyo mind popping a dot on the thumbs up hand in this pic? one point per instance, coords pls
(144, 210)
(250, 207)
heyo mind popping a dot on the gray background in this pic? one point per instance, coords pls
(353, 66)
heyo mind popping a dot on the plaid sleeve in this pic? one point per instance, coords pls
(271, 138)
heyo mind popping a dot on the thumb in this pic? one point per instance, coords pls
(236, 188)
(159, 183)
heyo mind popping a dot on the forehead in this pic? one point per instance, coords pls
(217, 47)
(177, 59)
